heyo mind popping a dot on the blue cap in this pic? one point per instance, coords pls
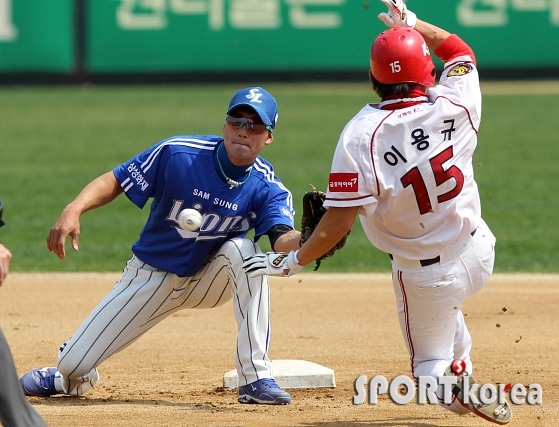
(258, 99)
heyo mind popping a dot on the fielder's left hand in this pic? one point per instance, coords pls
(272, 264)
(398, 14)
(5, 258)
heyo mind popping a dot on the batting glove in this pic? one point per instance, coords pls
(398, 15)
(272, 264)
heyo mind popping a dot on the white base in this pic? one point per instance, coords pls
(291, 374)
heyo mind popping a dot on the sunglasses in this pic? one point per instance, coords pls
(239, 122)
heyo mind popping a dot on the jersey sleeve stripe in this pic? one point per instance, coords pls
(124, 184)
(190, 142)
(270, 176)
(349, 199)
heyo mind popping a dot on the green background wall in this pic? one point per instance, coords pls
(36, 35)
(256, 35)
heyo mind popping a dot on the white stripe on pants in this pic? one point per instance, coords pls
(145, 296)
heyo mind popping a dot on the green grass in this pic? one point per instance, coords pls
(53, 141)
(519, 180)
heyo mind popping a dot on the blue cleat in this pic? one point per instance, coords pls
(264, 391)
(39, 382)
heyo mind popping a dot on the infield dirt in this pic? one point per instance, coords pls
(173, 375)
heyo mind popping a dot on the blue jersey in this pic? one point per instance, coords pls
(180, 173)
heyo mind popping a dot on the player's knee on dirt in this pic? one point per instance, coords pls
(76, 385)
(76, 377)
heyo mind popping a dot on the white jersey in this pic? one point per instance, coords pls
(410, 170)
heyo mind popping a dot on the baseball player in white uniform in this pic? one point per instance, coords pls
(404, 166)
(171, 269)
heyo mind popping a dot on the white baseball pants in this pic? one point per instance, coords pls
(430, 299)
(144, 296)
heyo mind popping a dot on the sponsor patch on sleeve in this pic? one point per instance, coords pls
(136, 175)
(343, 182)
(460, 70)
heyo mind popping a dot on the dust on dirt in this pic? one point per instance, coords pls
(173, 375)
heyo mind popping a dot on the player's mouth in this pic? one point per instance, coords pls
(243, 143)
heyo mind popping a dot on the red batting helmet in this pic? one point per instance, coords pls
(400, 55)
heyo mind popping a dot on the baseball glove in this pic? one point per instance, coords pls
(312, 213)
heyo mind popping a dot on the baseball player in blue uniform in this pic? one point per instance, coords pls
(171, 269)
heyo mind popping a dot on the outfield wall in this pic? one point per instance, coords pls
(198, 36)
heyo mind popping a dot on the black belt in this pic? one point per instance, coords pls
(426, 262)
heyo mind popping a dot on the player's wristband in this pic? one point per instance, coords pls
(295, 257)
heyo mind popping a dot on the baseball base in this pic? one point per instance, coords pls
(291, 374)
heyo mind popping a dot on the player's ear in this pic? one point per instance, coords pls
(270, 138)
